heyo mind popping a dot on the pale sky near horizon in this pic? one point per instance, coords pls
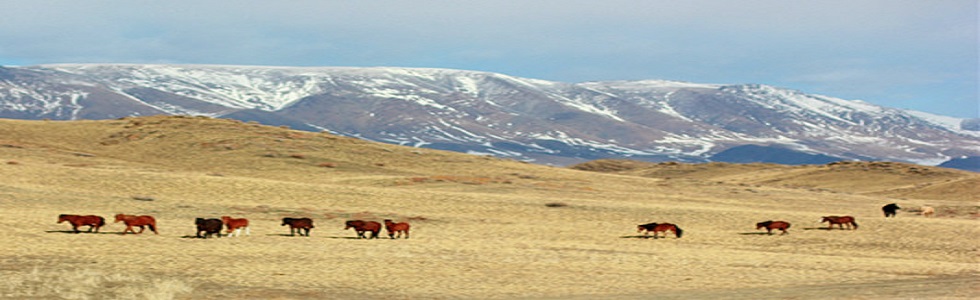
(920, 55)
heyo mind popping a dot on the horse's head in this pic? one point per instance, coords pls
(286, 221)
(120, 217)
(62, 218)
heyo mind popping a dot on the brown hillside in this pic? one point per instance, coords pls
(897, 180)
(482, 228)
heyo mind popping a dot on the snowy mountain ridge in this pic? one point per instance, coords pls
(490, 113)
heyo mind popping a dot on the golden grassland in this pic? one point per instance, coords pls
(481, 227)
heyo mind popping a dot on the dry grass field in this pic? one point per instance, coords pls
(482, 228)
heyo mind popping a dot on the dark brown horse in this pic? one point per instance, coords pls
(362, 226)
(770, 225)
(659, 227)
(840, 221)
(298, 225)
(141, 221)
(236, 225)
(93, 222)
(890, 209)
(393, 227)
(208, 226)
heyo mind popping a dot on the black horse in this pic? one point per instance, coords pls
(890, 209)
(208, 226)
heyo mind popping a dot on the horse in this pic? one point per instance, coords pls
(208, 226)
(393, 227)
(770, 225)
(235, 225)
(659, 227)
(131, 220)
(298, 225)
(93, 222)
(840, 221)
(361, 226)
(928, 211)
(890, 209)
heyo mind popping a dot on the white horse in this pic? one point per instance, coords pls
(928, 211)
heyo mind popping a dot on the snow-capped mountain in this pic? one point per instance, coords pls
(495, 114)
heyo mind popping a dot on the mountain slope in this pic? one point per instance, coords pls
(488, 113)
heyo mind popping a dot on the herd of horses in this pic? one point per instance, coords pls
(207, 227)
(302, 226)
(890, 210)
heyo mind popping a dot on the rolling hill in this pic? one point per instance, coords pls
(482, 226)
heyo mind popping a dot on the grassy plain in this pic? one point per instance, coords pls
(483, 228)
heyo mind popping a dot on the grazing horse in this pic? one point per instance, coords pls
(208, 226)
(298, 225)
(840, 221)
(236, 225)
(890, 209)
(93, 222)
(659, 227)
(770, 225)
(393, 227)
(131, 220)
(928, 211)
(361, 226)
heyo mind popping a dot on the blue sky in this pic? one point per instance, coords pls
(920, 55)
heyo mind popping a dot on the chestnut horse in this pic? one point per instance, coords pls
(298, 225)
(840, 221)
(659, 227)
(93, 222)
(361, 226)
(770, 225)
(235, 225)
(131, 220)
(393, 227)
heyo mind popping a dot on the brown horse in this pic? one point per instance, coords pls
(141, 221)
(361, 226)
(770, 225)
(840, 221)
(235, 225)
(659, 227)
(93, 222)
(393, 227)
(298, 225)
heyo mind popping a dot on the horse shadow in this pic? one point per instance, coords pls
(80, 232)
(816, 228)
(644, 237)
(754, 233)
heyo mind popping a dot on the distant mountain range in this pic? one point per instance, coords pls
(496, 114)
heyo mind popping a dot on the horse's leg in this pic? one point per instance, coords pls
(247, 232)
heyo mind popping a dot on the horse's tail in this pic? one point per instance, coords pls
(101, 222)
(153, 226)
(678, 231)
